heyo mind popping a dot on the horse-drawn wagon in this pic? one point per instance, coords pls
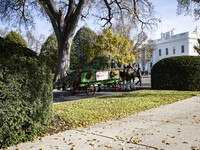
(90, 79)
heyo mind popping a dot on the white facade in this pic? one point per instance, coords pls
(171, 44)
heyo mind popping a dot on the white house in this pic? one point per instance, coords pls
(171, 44)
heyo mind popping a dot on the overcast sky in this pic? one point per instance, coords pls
(166, 10)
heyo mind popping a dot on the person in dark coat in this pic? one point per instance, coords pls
(133, 74)
(139, 75)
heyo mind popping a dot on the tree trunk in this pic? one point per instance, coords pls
(64, 48)
(64, 28)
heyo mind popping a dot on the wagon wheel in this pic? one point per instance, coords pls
(118, 87)
(75, 89)
(90, 89)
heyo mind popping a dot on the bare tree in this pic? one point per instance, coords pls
(65, 14)
(34, 41)
(126, 29)
(189, 7)
(145, 52)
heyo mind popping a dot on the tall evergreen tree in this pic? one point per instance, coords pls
(16, 37)
(83, 39)
(49, 52)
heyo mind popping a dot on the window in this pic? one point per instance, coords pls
(167, 51)
(159, 52)
(182, 49)
(174, 50)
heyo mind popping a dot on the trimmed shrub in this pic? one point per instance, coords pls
(177, 73)
(25, 94)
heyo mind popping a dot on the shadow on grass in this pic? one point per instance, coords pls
(149, 93)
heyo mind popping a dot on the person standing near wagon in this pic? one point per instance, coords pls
(129, 71)
(139, 75)
(133, 76)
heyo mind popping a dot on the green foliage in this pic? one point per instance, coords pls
(10, 49)
(16, 37)
(197, 48)
(67, 81)
(82, 41)
(49, 52)
(114, 46)
(26, 94)
(99, 63)
(177, 73)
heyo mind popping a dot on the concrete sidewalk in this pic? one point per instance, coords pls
(171, 127)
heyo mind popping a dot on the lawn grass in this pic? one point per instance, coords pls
(90, 111)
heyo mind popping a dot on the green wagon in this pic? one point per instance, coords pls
(89, 79)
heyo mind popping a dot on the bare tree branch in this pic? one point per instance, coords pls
(108, 19)
(70, 8)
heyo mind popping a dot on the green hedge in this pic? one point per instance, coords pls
(177, 73)
(25, 94)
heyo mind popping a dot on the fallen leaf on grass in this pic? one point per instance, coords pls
(134, 140)
(84, 133)
(108, 146)
(185, 142)
(57, 147)
(194, 148)
(101, 132)
(31, 147)
(92, 144)
(90, 140)
(166, 142)
(100, 145)
(118, 137)
(70, 144)
(73, 148)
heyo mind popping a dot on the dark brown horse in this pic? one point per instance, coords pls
(127, 74)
